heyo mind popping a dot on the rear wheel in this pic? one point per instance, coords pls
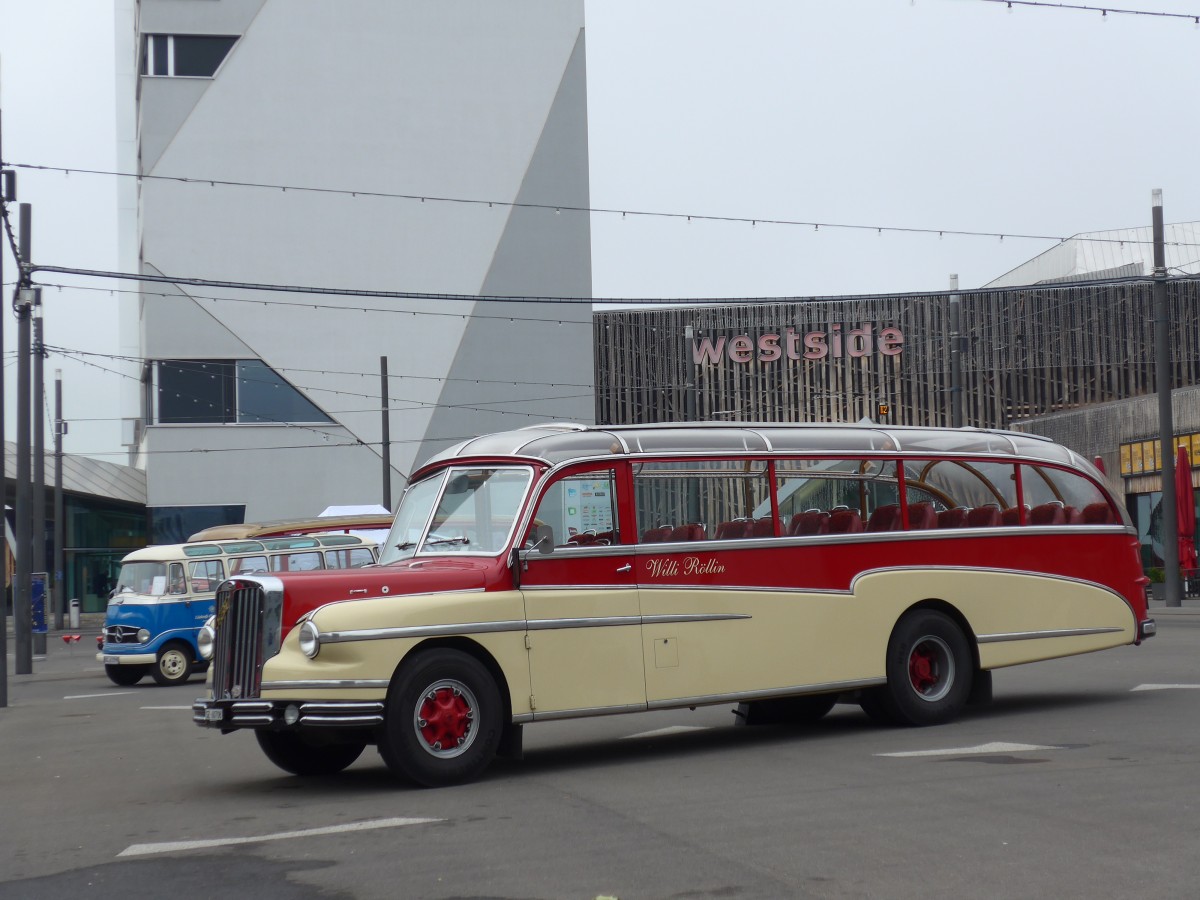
(125, 675)
(443, 721)
(174, 664)
(929, 671)
(307, 755)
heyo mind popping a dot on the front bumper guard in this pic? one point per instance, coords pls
(285, 715)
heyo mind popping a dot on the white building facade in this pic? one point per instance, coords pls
(371, 145)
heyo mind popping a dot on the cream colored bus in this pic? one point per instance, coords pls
(565, 571)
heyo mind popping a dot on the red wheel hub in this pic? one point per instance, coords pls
(922, 669)
(444, 718)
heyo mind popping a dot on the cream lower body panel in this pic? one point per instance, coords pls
(794, 640)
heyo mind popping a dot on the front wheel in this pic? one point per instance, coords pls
(173, 665)
(929, 670)
(308, 755)
(125, 676)
(443, 720)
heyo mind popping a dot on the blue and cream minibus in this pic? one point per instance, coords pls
(165, 593)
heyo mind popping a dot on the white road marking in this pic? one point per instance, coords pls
(166, 707)
(670, 729)
(90, 696)
(174, 846)
(1166, 687)
(994, 747)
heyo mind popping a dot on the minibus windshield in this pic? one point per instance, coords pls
(459, 510)
(142, 578)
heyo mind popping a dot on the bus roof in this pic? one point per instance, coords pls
(288, 527)
(561, 442)
(221, 548)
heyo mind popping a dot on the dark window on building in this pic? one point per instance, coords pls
(185, 55)
(196, 390)
(223, 392)
(262, 396)
(175, 524)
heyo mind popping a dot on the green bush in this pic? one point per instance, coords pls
(1156, 575)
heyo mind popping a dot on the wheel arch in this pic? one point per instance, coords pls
(472, 649)
(955, 615)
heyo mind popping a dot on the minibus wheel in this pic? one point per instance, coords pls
(174, 664)
(929, 670)
(125, 676)
(305, 755)
(443, 719)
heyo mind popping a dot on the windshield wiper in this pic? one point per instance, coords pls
(406, 545)
(453, 540)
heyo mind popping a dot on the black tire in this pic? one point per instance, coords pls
(174, 664)
(441, 696)
(929, 670)
(308, 755)
(785, 710)
(125, 676)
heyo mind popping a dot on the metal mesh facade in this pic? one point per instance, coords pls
(1027, 351)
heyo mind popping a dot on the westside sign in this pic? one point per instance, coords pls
(774, 346)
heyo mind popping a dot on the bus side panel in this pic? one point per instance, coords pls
(376, 659)
(808, 640)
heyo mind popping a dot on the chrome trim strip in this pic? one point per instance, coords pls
(575, 586)
(693, 617)
(596, 622)
(325, 684)
(250, 720)
(795, 691)
(420, 631)
(522, 718)
(1038, 635)
(587, 712)
(324, 706)
(334, 721)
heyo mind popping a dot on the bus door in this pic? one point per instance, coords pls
(581, 600)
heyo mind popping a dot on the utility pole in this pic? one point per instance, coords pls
(37, 553)
(956, 348)
(1166, 424)
(386, 442)
(22, 582)
(60, 525)
(7, 194)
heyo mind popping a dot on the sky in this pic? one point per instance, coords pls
(948, 115)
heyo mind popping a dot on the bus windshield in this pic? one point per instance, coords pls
(142, 578)
(459, 510)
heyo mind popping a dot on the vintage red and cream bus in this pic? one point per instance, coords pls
(563, 571)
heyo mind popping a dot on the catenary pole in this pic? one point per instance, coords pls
(37, 554)
(1166, 424)
(22, 612)
(4, 198)
(386, 437)
(60, 525)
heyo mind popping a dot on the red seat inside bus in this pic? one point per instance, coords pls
(885, 518)
(953, 518)
(1052, 513)
(811, 521)
(984, 517)
(1098, 514)
(845, 521)
(922, 515)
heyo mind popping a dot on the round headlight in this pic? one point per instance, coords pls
(143, 635)
(206, 638)
(310, 639)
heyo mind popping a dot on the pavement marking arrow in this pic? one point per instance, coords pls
(176, 846)
(1166, 687)
(670, 729)
(994, 747)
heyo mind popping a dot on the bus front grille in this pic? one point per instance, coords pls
(247, 635)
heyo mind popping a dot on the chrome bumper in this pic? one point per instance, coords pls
(1147, 628)
(230, 715)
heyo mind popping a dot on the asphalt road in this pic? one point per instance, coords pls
(1077, 781)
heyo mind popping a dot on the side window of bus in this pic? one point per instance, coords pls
(577, 510)
(206, 575)
(296, 562)
(352, 558)
(703, 500)
(1058, 497)
(963, 493)
(837, 496)
(248, 565)
(175, 581)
